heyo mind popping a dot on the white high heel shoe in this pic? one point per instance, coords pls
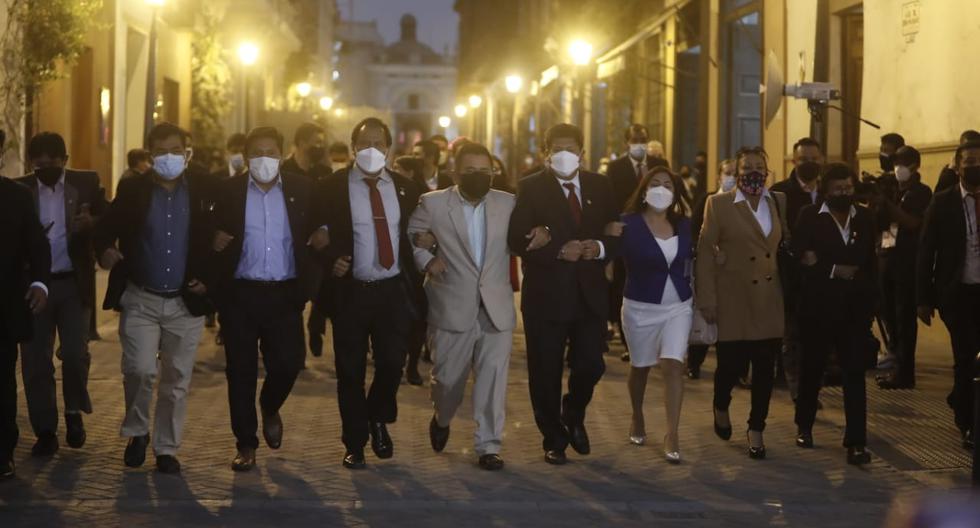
(673, 457)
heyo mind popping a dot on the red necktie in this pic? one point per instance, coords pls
(573, 204)
(385, 254)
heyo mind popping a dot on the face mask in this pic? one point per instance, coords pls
(236, 162)
(727, 182)
(840, 202)
(659, 198)
(638, 150)
(263, 169)
(886, 162)
(474, 184)
(971, 176)
(753, 183)
(807, 171)
(370, 160)
(338, 165)
(49, 175)
(903, 174)
(315, 154)
(169, 166)
(564, 163)
(443, 157)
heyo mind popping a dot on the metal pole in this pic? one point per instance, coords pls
(976, 421)
(151, 66)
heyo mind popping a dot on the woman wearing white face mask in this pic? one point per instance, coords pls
(657, 314)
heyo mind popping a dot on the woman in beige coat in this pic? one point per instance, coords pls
(737, 282)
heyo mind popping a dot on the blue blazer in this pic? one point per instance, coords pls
(646, 266)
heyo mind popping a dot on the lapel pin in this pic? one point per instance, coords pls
(401, 191)
(292, 198)
(588, 202)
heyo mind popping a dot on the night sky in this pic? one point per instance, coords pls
(437, 22)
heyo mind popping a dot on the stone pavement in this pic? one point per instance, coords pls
(303, 484)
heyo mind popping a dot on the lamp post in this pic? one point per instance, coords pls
(248, 53)
(151, 67)
(580, 53)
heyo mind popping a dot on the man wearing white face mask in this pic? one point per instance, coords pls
(262, 283)
(159, 271)
(565, 294)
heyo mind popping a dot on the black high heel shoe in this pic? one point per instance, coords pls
(725, 433)
(804, 439)
(858, 456)
(755, 453)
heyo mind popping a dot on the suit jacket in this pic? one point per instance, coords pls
(552, 287)
(229, 216)
(823, 299)
(942, 249)
(796, 197)
(742, 281)
(81, 187)
(624, 180)
(25, 257)
(334, 211)
(125, 220)
(947, 178)
(455, 296)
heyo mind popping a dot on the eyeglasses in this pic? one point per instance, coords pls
(480, 172)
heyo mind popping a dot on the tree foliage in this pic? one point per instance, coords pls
(211, 81)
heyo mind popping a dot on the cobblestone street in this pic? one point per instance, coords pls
(912, 436)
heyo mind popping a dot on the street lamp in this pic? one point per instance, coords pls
(304, 89)
(248, 53)
(513, 83)
(475, 101)
(444, 121)
(580, 51)
(460, 111)
(326, 102)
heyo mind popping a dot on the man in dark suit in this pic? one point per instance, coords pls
(432, 178)
(559, 228)
(262, 283)
(372, 295)
(25, 268)
(161, 221)
(947, 177)
(948, 277)
(68, 203)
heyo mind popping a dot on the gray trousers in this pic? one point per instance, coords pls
(65, 314)
(151, 328)
(486, 351)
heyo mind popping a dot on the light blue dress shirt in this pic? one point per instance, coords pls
(267, 249)
(476, 226)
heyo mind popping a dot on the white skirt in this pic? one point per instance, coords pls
(655, 331)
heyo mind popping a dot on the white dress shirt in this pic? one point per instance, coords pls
(637, 165)
(971, 265)
(845, 230)
(578, 194)
(52, 213)
(762, 213)
(476, 227)
(367, 265)
(432, 182)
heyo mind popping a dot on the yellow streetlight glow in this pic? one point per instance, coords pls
(326, 102)
(339, 112)
(580, 52)
(304, 89)
(444, 121)
(513, 83)
(248, 53)
(475, 101)
(156, 3)
(460, 111)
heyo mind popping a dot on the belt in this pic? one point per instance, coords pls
(63, 275)
(376, 283)
(166, 294)
(265, 284)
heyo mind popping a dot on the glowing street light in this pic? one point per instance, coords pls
(580, 51)
(326, 102)
(475, 101)
(444, 121)
(156, 3)
(248, 53)
(513, 83)
(304, 89)
(460, 111)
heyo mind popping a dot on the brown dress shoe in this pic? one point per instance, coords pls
(244, 460)
(272, 430)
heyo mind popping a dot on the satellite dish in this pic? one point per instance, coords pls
(773, 89)
(816, 94)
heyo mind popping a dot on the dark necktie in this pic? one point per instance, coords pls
(385, 254)
(573, 204)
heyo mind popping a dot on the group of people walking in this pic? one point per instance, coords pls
(394, 262)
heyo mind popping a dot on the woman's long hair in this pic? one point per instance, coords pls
(637, 201)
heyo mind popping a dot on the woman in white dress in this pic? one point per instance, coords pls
(657, 250)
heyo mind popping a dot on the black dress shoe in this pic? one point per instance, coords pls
(693, 373)
(755, 452)
(578, 438)
(7, 469)
(804, 439)
(380, 440)
(555, 457)
(75, 436)
(244, 460)
(168, 464)
(895, 384)
(272, 430)
(725, 433)
(438, 435)
(413, 377)
(857, 456)
(354, 460)
(968, 439)
(491, 462)
(45, 446)
(135, 453)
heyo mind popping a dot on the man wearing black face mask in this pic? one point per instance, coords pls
(68, 203)
(948, 277)
(471, 309)
(890, 143)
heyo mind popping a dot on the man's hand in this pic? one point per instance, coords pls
(84, 220)
(341, 266)
(110, 258)
(571, 251)
(319, 239)
(843, 271)
(426, 241)
(710, 314)
(539, 237)
(925, 314)
(590, 250)
(36, 299)
(221, 241)
(809, 258)
(614, 229)
(196, 287)
(435, 267)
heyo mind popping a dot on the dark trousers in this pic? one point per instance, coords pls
(261, 314)
(373, 316)
(616, 287)
(546, 347)
(65, 313)
(847, 336)
(696, 355)
(8, 398)
(962, 319)
(734, 358)
(898, 315)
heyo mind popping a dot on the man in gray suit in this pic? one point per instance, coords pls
(460, 237)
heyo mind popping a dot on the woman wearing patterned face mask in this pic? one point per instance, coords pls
(738, 286)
